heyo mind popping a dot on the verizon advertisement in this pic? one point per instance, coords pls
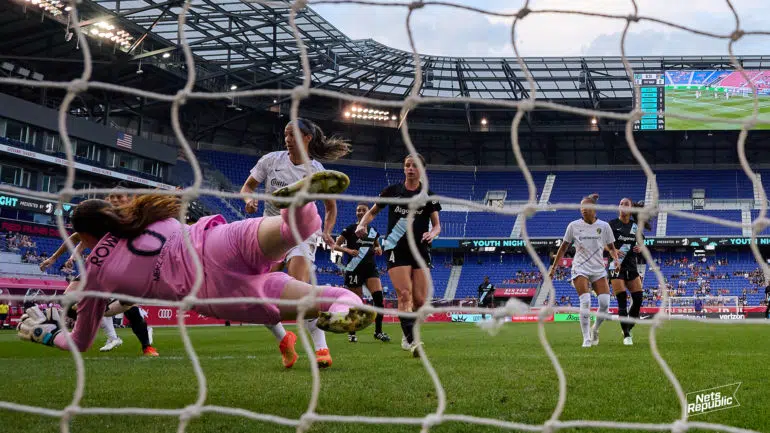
(515, 292)
(166, 316)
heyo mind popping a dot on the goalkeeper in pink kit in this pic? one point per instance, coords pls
(138, 250)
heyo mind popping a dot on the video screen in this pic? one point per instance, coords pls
(716, 93)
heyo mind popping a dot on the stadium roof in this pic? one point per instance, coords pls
(248, 38)
(250, 46)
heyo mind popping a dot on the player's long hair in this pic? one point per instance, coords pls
(321, 146)
(635, 216)
(422, 158)
(98, 217)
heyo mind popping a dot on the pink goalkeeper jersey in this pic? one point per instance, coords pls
(154, 265)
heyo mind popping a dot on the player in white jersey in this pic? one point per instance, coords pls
(591, 236)
(280, 169)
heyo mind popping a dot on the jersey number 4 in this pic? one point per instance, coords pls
(392, 257)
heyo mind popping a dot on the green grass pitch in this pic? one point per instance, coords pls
(737, 107)
(506, 377)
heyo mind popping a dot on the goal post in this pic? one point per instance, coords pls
(711, 306)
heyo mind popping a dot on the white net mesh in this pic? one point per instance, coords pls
(298, 94)
(684, 305)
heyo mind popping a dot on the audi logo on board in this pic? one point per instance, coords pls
(165, 313)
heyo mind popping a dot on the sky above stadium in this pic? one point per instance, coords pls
(440, 30)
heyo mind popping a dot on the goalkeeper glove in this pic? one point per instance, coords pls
(39, 326)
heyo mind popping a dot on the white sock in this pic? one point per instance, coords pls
(278, 331)
(318, 336)
(109, 328)
(604, 307)
(585, 315)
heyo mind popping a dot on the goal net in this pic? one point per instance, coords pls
(701, 306)
(178, 99)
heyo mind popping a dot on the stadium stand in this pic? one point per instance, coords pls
(506, 270)
(737, 80)
(683, 226)
(722, 184)
(732, 274)
(568, 187)
(26, 146)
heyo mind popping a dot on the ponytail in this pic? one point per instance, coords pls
(98, 217)
(321, 146)
(593, 198)
(635, 216)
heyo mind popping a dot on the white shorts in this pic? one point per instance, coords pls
(305, 249)
(592, 277)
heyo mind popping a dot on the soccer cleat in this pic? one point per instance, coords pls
(322, 182)
(111, 344)
(323, 358)
(594, 336)
(416, 349)
(352, 338)
(288, 354)
(340, 323)
(150, 351)
(628, 341)
(587, 343)
(149, 334)
(385, 338)
(405, 344)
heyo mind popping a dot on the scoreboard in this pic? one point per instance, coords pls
(651, 92)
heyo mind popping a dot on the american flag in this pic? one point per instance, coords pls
(124, 140)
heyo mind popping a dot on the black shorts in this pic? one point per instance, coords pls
(362, 272)
(486, 300)
(3, 316)
(402, 256)
(625, 274)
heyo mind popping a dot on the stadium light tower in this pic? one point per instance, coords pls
(366, 113)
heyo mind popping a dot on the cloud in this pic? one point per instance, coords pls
(661, 40)
(445, 31)
(439, 31)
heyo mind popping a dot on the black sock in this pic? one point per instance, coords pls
(623, 310)
(634, 310)
(377, 299)
(407, 324)
(767, 311)
(138, 326)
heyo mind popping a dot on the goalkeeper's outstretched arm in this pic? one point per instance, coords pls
(44, 327)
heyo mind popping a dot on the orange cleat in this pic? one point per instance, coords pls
(323, 358)
(288, 354)
(150, 351)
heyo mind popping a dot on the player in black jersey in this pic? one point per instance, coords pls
(767, 301)
(409, 279)
(626, 275)
(361, 268)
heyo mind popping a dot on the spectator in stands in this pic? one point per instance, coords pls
(4, 307)
(767, 300)
(13, 243)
